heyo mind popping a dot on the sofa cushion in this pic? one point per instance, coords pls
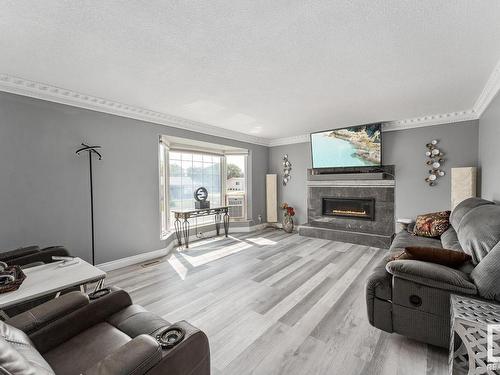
(449, 240)
(135, 320)
(18, 356)
(432, 225)
(446, 257)
(463, 208)
(135, 357)
(404, 239)
(83, 350)
(486, 275)
(479, 231)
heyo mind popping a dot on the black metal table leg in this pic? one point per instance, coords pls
(178, 231)
(226, 223)
(185, 230)
(217, 223)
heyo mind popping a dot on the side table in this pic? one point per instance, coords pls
(404, 222)
(181, 223)
(470, 320)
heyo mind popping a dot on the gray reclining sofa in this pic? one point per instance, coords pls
(412, 297)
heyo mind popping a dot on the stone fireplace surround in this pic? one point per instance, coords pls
(377, 232)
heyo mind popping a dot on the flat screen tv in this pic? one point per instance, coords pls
(355, 146)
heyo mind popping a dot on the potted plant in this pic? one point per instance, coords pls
(288, 214)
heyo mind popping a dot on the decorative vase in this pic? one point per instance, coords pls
(287, 224)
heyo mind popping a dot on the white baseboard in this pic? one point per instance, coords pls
(135, 259)
(171, 243)
(252, 228)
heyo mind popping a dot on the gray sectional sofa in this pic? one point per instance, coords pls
(412, 297)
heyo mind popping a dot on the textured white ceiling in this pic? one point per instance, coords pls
(268, 68)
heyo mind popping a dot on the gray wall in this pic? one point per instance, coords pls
(294, 193)
(489, 151)
(405, 149)
(44, 186)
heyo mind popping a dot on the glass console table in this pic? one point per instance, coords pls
(181, 223)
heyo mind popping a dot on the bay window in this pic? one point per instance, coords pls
(187, 172)
(184, 169)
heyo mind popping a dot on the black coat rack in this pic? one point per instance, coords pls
(91, 150)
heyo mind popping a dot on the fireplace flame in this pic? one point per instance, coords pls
(349, 212)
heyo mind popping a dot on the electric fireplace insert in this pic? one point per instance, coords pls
(352, 208)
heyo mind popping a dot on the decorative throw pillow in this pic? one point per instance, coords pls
(432, 225)
(445, 257)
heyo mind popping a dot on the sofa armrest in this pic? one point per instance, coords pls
(134, 358)
(486, 275)
(433, 275)
(191, 356)
(46, 313)
(378, 286)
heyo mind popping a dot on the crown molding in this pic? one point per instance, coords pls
(33, 89)
(417, 122)
(288, 140)
(490, 90)
(430, 120)
(55, 94)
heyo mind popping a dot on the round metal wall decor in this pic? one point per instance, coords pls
(287, 168)
(201, 194)
(435, 162)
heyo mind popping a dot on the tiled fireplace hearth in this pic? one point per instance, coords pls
(355, 211)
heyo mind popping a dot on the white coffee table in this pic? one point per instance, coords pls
(51, 279)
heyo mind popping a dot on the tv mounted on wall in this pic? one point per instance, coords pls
(354, 146)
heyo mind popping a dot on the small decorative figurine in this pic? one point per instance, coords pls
(200, 196)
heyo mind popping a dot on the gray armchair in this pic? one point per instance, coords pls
(412, 297)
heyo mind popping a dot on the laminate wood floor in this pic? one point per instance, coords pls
(277, 303)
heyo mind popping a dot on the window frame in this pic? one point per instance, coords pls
(246, 184)
(164, 150)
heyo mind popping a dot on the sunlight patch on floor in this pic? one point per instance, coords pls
(177, 266)
(204, 241)
(262, 241)
(198, 260)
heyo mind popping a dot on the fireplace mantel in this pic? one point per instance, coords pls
(347, 183)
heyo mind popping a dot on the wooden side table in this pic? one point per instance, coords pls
(470, 319)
